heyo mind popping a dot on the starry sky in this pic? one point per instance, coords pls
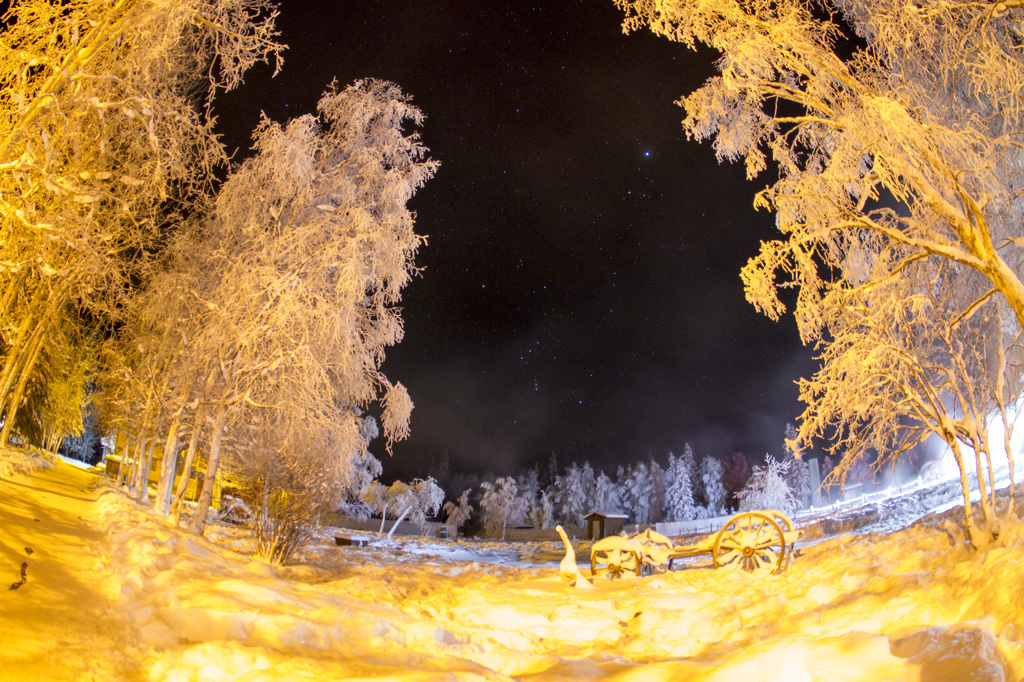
(581, 291)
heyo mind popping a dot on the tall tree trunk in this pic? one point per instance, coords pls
(186, 468)
(14, 353)
(399, 520)
(198, 525)
(30, 321)
(122, 469)
(168, 467)
(142, 433)
(142, 492)
(35, 346)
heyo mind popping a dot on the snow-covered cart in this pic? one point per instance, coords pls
(754, 541)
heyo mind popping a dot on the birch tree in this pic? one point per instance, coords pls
(767, 488)
(905, 366)
(925, 112)
(308, 248)
(102, 139)
(501, 506)
(456, 514)
(898, 158)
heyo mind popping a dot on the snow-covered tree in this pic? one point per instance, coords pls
(414, 501)
(767, 488)
(881, 233)
(365, 468)
(577, 494)
(657, 474)
(711, 475)
(68, 375)
(457, 514)
(541, 513)
(297, 272)
(637, 487)
(501, 506)
(678, 490)
(105, 141)
(426, 501)
(798, 477)
(945, 157)
(607, 495)
(696, 484)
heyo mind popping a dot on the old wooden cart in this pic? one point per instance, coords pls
(754, 541)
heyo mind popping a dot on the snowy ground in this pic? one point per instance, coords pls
(899, 603)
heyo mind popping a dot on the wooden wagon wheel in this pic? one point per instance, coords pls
(785, 524)
(752, 541)
(616, 562)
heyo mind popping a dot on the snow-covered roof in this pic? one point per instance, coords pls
(607, 515)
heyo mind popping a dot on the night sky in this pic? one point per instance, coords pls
(581, 290)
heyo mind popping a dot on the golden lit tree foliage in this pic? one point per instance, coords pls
(900, 367)
(105, 133)
(303, 260)
(894, 131)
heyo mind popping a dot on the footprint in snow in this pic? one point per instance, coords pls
(24, 576)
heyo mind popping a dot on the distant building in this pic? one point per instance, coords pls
(603, 524)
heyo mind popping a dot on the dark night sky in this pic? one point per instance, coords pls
(581, 292)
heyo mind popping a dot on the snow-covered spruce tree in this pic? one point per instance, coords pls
(696, 484)
(657, 513)
(539, 508)
(501, 506)
(457, 514)
(104, 137)
(577, 497)
(798, 474)
(637, 492)
(678, 491)
(542, 512)
(711, 475)
(767, 488)
(950, 161)
(798, 477)
(607, 495)
(305, 256)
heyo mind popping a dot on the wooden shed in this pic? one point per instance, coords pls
(602, 524)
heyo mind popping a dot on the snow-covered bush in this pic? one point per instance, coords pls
(767, 488)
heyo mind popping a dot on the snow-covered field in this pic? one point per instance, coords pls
(909, 603)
